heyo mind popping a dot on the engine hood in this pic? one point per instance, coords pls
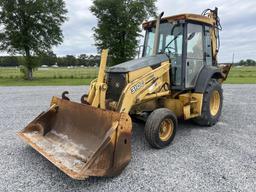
(149, 61)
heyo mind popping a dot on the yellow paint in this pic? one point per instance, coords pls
(103, 63)
(149, 82)
(187, 16)
(133, 75)
(192, 104)
(98, 88)
(214, 103)
(197, 106)
(166, 130)
(174, 105)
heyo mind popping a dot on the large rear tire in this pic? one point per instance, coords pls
(160, 128)
(212, 104)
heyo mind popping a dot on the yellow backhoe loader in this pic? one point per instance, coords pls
(177, 77)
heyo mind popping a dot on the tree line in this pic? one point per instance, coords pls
(46, 60)
(71, 60)
(248, 62)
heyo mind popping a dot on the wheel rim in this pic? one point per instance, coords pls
(214, 103)
(166, 130)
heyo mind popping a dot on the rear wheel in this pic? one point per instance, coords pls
(160, 128)
(212, 104)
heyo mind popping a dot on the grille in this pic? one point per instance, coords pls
(116, 83)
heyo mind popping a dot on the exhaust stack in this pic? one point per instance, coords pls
(156, 40)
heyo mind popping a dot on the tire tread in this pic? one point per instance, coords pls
(152, 127)
(206, 119)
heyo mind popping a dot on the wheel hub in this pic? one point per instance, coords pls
(166, 130)
(214, 103)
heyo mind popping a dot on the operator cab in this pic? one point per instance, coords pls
(186, 40)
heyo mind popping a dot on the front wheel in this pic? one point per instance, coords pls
(160, 128)
(212, 104)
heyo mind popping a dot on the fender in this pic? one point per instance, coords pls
(204, 77)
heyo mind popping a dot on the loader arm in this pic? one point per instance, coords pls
(98, 87)
(147, 87)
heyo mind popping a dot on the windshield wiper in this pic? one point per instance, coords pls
(175, 37)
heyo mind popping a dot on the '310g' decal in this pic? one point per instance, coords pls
(137, 87)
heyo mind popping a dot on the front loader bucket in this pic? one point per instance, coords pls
(81, 140)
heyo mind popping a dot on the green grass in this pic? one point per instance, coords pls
(82, 76)
(43, 82)
(242, 75)
(51, 73)
(50, 76)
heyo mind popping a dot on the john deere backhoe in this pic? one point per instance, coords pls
(178, 76)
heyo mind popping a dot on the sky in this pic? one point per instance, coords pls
(238, 19)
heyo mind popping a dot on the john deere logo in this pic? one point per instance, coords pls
(117, 85)
(137, 87)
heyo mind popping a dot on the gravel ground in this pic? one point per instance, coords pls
(219, 158)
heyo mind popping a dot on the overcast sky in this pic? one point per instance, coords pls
(238, 19)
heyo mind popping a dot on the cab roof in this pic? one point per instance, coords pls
(185, 16)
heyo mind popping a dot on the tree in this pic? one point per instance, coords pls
(31, 27)
(119, 25)
(9, 61)
(242, 62)
(83, 60)
(71, 60)
(48, 59)
(248, 62)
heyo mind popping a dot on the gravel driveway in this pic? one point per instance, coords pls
(219, 158)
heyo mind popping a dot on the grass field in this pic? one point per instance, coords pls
(48, 76)
(242, 75)
(83, 76)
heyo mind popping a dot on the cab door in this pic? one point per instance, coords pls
(195, 54)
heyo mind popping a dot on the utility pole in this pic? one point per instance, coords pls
(233, 58)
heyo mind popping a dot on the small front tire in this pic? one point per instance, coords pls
(160, 128)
